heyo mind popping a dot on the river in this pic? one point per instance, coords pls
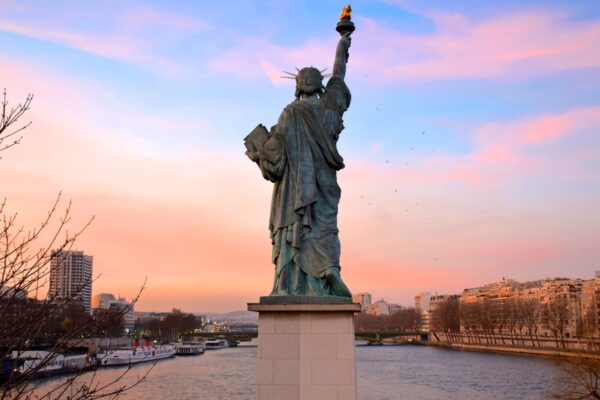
(383, 373)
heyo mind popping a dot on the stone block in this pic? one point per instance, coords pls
(287, 323)
(279, 345)
(264, 371)
(266, 323)
(345, 346)
(346, 392)
(318, 345)
(338, 372)
(279, 392)
(330, 323)
(286, 371)
(319, 392)
(305, 324)
(305, 371)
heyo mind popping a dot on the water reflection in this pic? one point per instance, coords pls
(384, 372)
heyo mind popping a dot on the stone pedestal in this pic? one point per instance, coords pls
(305, 351)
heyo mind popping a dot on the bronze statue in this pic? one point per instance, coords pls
(299, 155)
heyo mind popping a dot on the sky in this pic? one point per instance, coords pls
(472, 143)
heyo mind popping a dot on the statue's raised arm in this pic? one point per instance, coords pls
(341, 56)
(345, 27)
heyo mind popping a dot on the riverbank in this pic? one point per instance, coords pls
(497, 348)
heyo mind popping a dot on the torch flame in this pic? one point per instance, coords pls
(346, 13)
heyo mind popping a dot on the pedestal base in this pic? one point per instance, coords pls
(305, 351)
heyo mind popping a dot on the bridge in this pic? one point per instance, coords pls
(379, 336)
(230, 336)
(369, 336)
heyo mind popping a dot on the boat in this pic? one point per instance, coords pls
(44, 363)
(215, 344)
(137, 354)
(189, 348)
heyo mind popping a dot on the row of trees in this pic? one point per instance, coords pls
(59, 322)
(513, 320)
(170, 328)
(404, 320)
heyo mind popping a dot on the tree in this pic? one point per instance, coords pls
(469, 317)
(406, 319)
(10, 116)
(581, 378)
(27, 318)
(445, 317)
(581, 373)
(531, 313)
(555, 315)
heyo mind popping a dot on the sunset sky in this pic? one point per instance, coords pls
(472, 144)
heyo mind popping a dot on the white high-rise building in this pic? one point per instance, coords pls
(71, 277)
(103, 300)
(121, 305)
(380, 307)
(364, 299)
(422, 303)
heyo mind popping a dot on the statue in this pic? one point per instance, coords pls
(300, 157)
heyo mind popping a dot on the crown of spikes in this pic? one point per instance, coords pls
(294, 76)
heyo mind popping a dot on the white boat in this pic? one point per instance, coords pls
(45, 363)
(134, 355)
(189, 348)
(215, 344)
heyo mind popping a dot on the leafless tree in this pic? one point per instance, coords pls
(404, 320)
(581, 378)
(486, 320)
(581, 373)
(555, 315)
(10, 135)
(590, 324)
(445, 317)
(469, 316)
(531, 312)
(172, 327)
(25, 264)
(519, 322)
(511, 314)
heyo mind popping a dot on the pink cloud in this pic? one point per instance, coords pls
(517, 45)
(552, 127)
(522, 44)
(144, 17)
(128, 41)
(376, 147)
(255, 57)
(508, 143)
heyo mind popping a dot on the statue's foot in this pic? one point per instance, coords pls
(332, 276)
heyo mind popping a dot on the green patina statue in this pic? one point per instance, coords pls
(300, 157)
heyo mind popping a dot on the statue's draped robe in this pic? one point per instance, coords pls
(301, 158)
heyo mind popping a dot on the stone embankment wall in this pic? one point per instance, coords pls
(505, 344)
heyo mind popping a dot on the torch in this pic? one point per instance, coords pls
(345, 26)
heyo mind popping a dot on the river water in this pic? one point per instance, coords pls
(383, 373)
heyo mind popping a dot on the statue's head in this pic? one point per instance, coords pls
(309, 81)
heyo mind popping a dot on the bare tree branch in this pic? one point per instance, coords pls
(9, 117)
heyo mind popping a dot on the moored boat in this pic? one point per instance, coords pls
(189, 348)
(137, 354)
(215, 344)
(44, 363)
